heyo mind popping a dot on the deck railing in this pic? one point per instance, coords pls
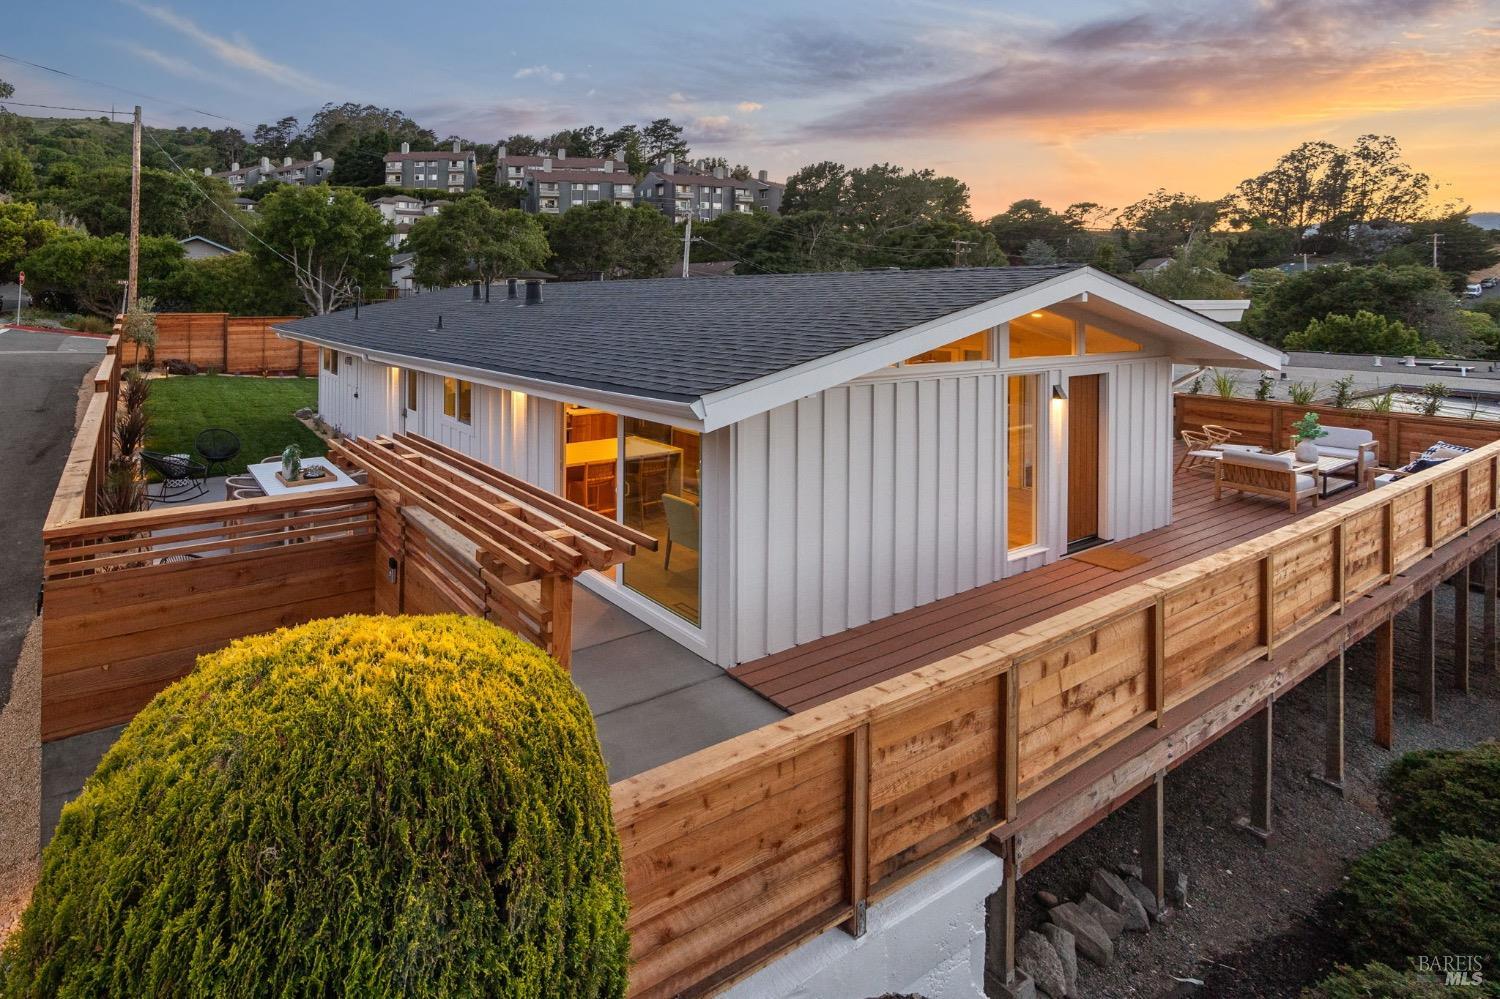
(88, 458)
(1269, 424)
(738, 852)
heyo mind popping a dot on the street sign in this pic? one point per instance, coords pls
(22, 279)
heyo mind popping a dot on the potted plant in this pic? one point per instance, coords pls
(1305, 433)
(291, 463)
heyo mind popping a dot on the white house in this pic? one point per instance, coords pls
(815, 451)
(201, 247)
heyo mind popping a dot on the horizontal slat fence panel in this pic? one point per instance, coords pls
(132, 600)
(235, 345)
(880, 785)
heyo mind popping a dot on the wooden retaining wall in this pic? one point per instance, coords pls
(235, 345)
(736, 853)
(1269, 424)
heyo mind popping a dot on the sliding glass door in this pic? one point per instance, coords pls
(644, 475)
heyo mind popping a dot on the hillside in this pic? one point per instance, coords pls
(94, 142)
(1486, 220)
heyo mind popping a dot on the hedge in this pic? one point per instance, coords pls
(1438, 791)
(366, 806)
(1378, 981)
(1403, 899)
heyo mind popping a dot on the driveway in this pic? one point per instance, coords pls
(40, 374)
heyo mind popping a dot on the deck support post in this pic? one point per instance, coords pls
(1385, 683)
(1461, 630)
(1490, 560)
(1427, 653)
(1000, 926)
(1153, 839)
(1258, 823)
(1333, 724)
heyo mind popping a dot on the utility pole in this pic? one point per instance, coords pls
(960, 247)
(1435, 238)
(687, 241)
(135, 211)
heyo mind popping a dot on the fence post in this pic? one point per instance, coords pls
(1158, 678)
(857, 850)
(557, 599)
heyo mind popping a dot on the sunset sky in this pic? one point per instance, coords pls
(1064, 101)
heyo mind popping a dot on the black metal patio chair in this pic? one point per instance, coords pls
(218, 446)
(182, 478)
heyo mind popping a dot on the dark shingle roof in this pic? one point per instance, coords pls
(668, 338)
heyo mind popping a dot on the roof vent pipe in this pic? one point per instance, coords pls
(475, 286)
(510, 287)
(440, 321)
(533, 292)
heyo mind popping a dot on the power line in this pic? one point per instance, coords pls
(57, 107)
(123, 90)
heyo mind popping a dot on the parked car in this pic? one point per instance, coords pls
(1473, 291)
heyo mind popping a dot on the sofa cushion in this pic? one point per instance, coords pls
(1306, 482)
(1279, 462)
(1348, 437)
(1338, 452)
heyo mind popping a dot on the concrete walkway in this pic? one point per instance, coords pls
(653, 702)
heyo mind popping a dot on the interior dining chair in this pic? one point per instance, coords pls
(683, 525)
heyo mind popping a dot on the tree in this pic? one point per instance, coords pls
(472, 240)
(16, 174)
(276, 140)
(1463, 247)
(232, 283)
(21, 232)
(1039, 251)
(1029, 219)
(661, 139)
(605, 239)
(1257, 246)
(1361, 333)
(172, 204)
(361, 162)
(522, 145)
(6, 90)
(337, 128)
(80, 271)
(1194, 272)
(817, 187)
(1414, 295)
(1321, 186)
(443, 766)
(1162, 221)
(328, 243)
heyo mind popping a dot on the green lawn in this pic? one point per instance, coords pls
(258, 410)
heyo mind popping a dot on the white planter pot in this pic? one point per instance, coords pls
(1307, 450)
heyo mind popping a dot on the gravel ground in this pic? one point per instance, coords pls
(1256, 923)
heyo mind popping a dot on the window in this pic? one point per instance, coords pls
(974, 347)
(644, 475)
(411, 391)
(1043, 334)
(331, 361)
(1102, 341)
(1022, 413)
(458, 400)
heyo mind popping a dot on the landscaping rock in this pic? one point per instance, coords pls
(1112, 922)
(1091, 939)
(1037, 958)
(1047, 900)
(1135, 916)
(1177, 887)
(1145, 896)
(1128, 871)
(1067, 952)
(1110, 890)
(305, 413)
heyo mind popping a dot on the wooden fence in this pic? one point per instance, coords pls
(131, 600)
(235, 345)
(1269, 424)
(88, 458)
(738, 852)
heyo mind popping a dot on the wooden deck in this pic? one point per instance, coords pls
(816, 672)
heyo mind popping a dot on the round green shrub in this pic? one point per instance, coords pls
(366, 806)
(1436, 791)
(1404, 899)
(1377, 981)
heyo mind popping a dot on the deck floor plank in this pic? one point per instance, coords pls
(816, 672)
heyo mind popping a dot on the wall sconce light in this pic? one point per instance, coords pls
(1059, 394)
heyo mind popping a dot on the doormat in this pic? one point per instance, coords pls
(1110, 558)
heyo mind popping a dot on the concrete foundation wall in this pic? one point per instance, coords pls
(926, 939)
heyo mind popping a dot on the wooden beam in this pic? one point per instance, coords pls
(1333, 724)
(1427, 653)
(1153, 819)
(1491, 563)
(1385, 680)
(557, 602)
(1000, 922)
(1258, 823)
(857, 850)
(1461, 630)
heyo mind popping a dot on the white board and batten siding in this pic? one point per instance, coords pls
(881, 495)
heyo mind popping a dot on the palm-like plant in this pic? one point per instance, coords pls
(1302, 393)
(1225, 385)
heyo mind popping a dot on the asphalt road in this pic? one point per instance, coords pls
(39, 378)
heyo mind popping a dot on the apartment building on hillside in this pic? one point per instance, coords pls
(551, 192)
(317, 170)
(511, 168)
(681, 190)
(454, 170)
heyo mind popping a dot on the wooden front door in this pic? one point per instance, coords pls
(1083, 458)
